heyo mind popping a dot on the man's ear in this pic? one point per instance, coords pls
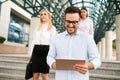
(64, 24)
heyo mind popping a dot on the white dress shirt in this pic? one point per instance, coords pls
(42, 37)
(81, 46)
(87, 26)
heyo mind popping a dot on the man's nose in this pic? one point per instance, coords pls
(71, 24)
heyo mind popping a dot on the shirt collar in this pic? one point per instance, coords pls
(77, 33)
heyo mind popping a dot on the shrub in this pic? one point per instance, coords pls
(114, 45)
(2, 39)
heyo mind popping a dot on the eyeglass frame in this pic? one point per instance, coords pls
(73, 22)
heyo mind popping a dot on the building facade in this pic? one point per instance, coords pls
(14, 24)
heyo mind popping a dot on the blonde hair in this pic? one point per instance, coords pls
(49, 21)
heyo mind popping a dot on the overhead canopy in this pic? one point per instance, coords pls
(102, 12)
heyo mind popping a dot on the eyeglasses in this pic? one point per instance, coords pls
(73, 22)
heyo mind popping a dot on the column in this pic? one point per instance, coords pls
(108, 44)
(117, 37)
(103, 48)
(33, 24)
(99, 48)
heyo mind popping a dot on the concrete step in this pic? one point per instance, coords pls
(93, 76)
(7, 76)
(14, 57)
(12, 70)
(109, 70)
(52, 74)
(20, 71)
(13, 63)
(12, 67)
(106, 70)
(103, 77)
(111, 64)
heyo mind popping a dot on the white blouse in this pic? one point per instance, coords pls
(87, 26)
(42, 37)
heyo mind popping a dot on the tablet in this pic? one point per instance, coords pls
(67, 64)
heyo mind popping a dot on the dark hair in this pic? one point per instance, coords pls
(72, 9)
(84, 8)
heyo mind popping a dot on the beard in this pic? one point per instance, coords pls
(71, 29)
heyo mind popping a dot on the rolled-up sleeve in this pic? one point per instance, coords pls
(93, 54)
(51, 54)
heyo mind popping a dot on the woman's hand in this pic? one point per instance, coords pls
(54, 65)
(29, 58)
(81, 68)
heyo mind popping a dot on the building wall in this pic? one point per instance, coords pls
(6, 9)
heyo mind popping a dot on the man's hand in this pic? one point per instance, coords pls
(81, 68)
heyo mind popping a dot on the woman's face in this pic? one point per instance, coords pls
(44, 16)
(84, 13)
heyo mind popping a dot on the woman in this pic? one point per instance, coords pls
(40, 45)
(86, 24)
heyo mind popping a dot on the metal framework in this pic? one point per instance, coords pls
(101, 11)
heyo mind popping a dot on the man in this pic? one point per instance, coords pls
(73, 44)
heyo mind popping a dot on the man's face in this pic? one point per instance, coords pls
(71, 22)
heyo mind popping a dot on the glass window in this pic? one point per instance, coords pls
(17, 32)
